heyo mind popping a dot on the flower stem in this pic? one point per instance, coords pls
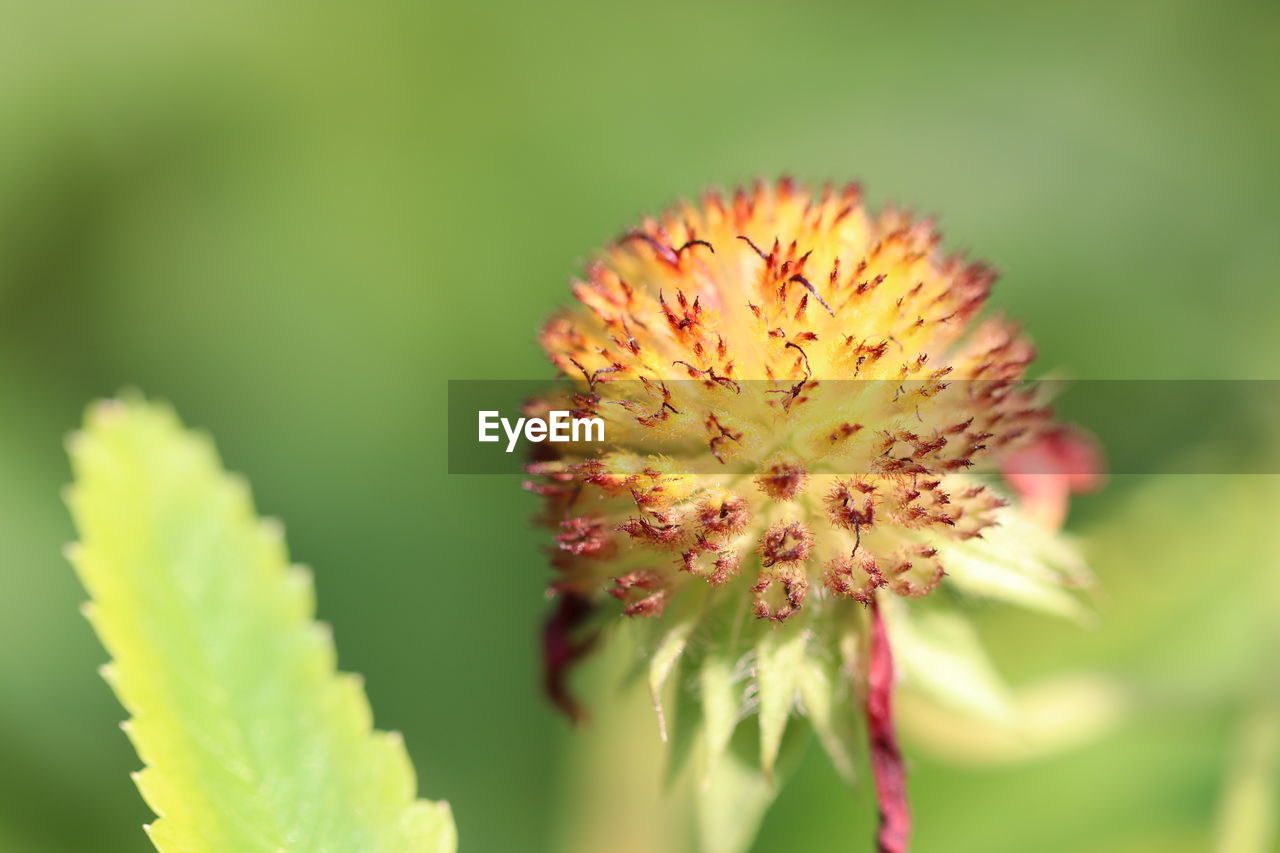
(886, 758)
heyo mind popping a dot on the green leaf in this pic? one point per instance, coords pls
(252, 742)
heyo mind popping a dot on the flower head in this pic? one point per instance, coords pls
(799, 401)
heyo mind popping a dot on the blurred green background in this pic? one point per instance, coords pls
(297, 220)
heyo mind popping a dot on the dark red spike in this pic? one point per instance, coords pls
(887, 768)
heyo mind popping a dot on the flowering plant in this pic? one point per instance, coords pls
(804, 417)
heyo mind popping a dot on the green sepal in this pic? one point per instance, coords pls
(938, 652)
(780, 651)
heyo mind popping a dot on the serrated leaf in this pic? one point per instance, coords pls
(779, 654)
(252, 743)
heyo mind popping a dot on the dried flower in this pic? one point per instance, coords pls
(797, 398)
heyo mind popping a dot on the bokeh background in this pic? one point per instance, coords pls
(296, 221)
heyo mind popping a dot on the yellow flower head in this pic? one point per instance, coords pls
(799, 403)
